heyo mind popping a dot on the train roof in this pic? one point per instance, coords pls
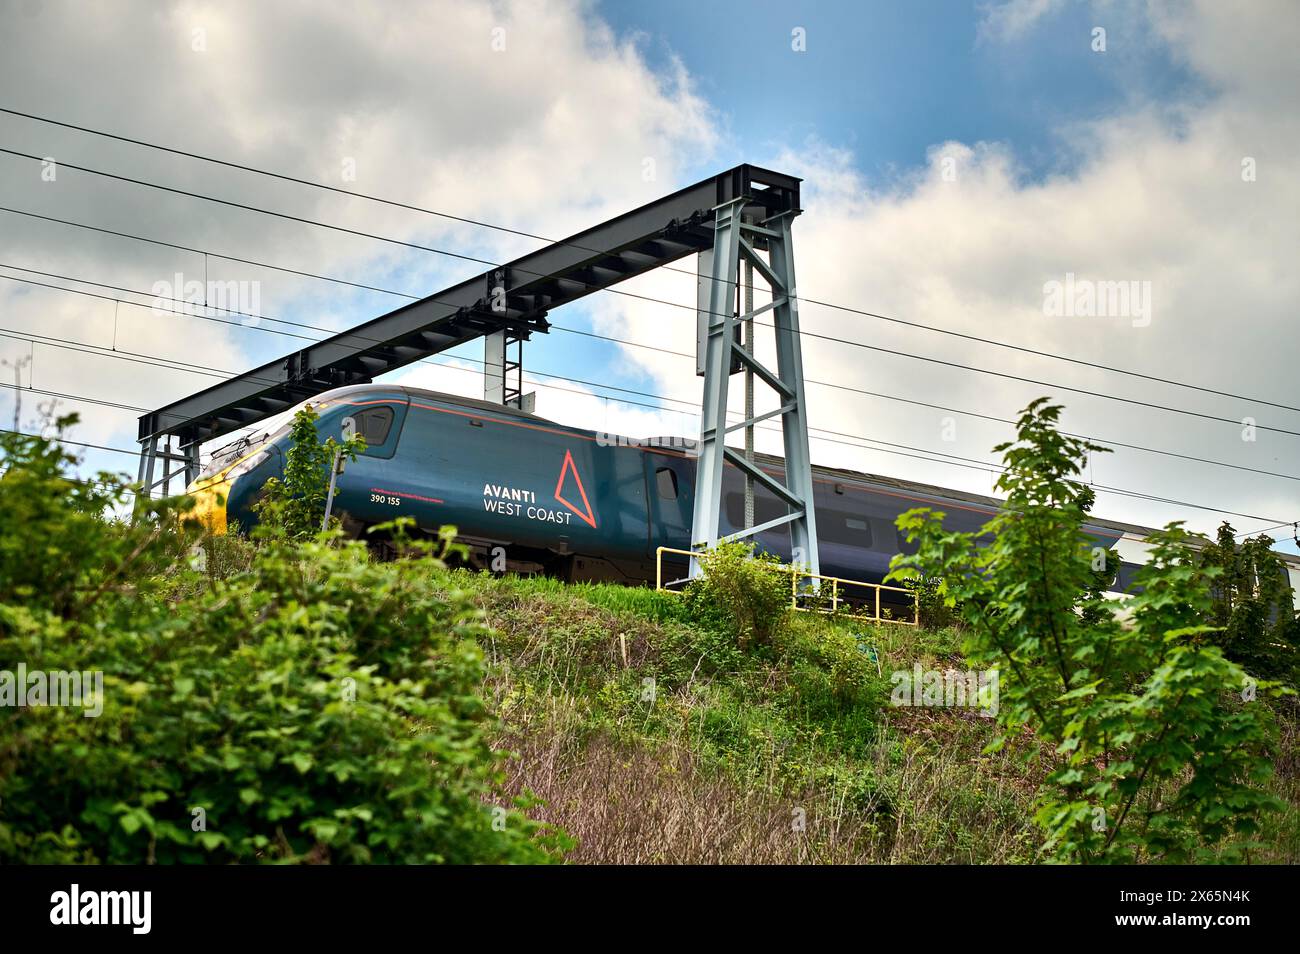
(961, 496)
(458, 399)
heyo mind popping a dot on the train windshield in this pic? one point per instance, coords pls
(223, 457)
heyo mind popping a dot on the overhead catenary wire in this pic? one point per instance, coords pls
(190, 312)
(623, 292)
(28, 389)
(977, 465)
(591, 334)
(109, 353)
(1255, 533)
(1047, 384)
(184, 313)
(102, 352)
(171, 364)
(203, 251)
(67, 440)
(889, 448)
(569, 243)
(89, 481)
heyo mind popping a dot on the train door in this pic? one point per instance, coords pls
(670, 495)
(369, 491)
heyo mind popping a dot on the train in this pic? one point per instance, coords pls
(530, 495)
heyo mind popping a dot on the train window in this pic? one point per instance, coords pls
(666, 480)
(374, 424)
(840, 527)
(765, 508)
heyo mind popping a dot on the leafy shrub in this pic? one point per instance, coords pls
(933, 611)
(58, 553)
(834, 683)
(1160, 748)
(744, 593)
(314, 707)
(295, 505)
(1253, 605)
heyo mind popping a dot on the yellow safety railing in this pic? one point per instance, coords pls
(838, 597)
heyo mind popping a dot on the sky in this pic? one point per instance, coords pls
(960, 162)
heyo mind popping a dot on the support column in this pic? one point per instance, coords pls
(503, 375)
(749, 393)
(192, 467)
(176, 462)
(494, 367)
(736, 239)
(789, 362)
(720, 293)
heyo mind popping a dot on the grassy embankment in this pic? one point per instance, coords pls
(651, 739)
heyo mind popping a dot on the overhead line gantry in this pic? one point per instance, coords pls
(744, 213)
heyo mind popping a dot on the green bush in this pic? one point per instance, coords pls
(314, 707)
(1253, 605)
(741, 592)
(1160, 747)
(58, 553)
(295, 504)
(933, 611)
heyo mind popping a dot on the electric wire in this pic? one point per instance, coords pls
(952, 459)
(569, 243)
(623, 292)
(328, 331)
(814, 335)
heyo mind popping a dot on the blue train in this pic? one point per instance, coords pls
(574, 503)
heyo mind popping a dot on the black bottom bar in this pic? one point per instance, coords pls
(929, 906)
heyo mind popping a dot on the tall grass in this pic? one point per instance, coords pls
(649, 739)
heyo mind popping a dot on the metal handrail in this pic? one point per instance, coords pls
(796, 575)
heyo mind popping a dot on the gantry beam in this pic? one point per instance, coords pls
(515, 297)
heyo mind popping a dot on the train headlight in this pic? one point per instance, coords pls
(248, 464)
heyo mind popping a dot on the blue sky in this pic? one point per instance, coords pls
(889, 79)
(885, 82)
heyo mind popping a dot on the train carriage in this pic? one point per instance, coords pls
(546, 497)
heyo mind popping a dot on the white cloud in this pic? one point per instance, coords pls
(547, 135)
(1012, 19)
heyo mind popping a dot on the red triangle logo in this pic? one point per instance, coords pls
(585, 514)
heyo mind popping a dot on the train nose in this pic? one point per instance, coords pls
(210, 495)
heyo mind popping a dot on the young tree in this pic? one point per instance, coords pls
(295, 505)
(742, 590)
(1253, 604)
(1158, 744)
